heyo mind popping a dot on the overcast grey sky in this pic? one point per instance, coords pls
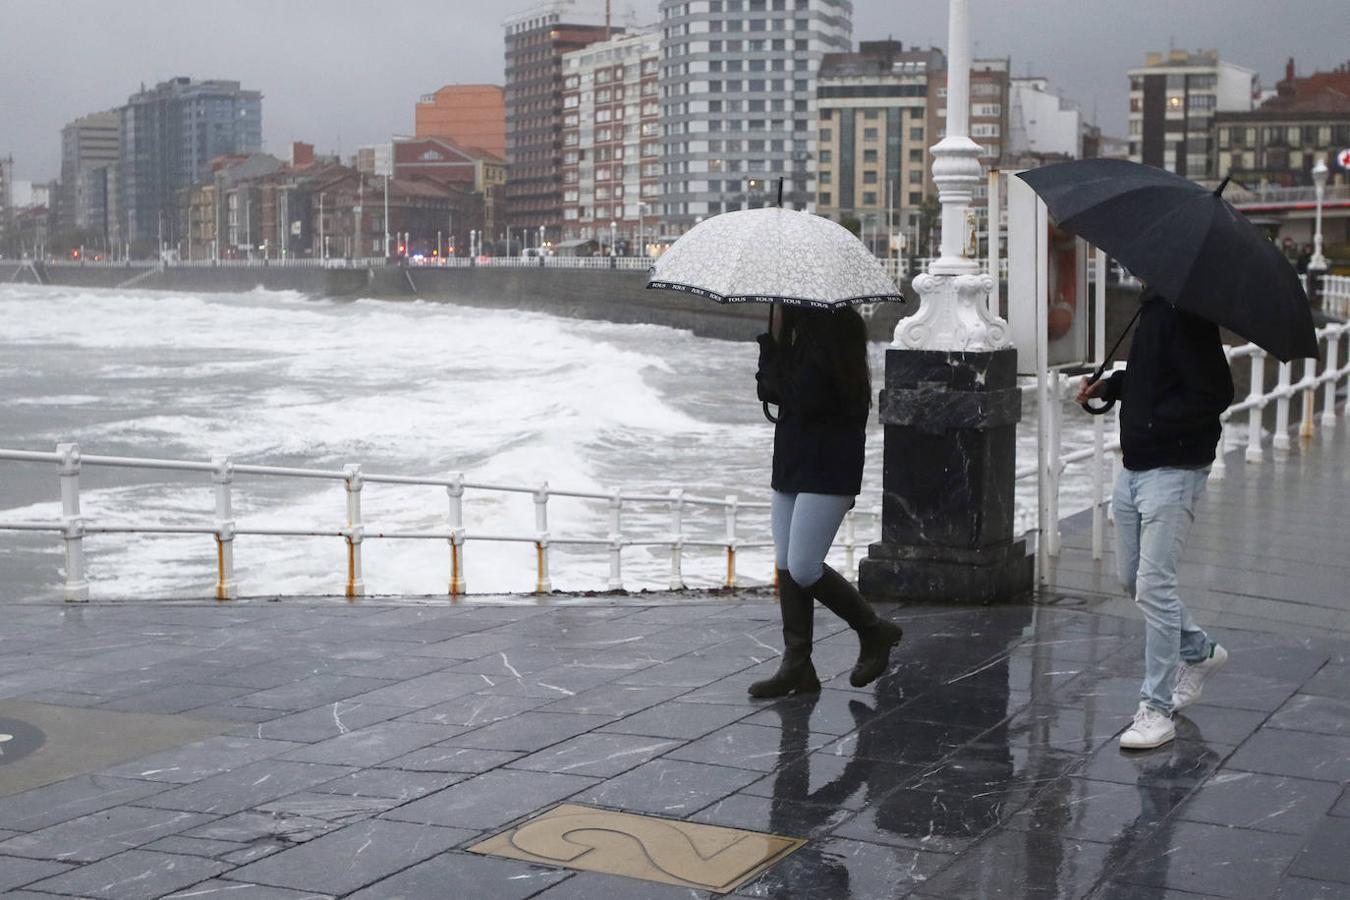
(340, 73)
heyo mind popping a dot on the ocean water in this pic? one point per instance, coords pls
(411, 388)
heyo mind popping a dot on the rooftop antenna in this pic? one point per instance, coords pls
(608, 32)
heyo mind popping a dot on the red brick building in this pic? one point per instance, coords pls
(535, 43)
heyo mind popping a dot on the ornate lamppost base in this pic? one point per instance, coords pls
(949, 463)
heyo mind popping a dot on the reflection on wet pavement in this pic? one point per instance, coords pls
(364, 749)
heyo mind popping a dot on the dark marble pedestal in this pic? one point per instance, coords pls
(950, 456)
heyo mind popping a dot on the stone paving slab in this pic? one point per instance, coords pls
(314, 748)
(989, 747)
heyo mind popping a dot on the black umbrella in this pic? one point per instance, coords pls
(1186, 243)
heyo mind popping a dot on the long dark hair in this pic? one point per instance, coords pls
(843, 335)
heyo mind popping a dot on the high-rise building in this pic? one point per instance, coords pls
(1173, 99)
(536, 41)
(169, 135)
(1282, 139)
(738, 104)
(470, 115)
(87, 144)
(872, 160)
(611, 128)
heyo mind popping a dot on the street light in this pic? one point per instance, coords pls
(613, 230)
(642, 229)
(1319, 177)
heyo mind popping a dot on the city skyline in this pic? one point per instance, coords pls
(77, 63)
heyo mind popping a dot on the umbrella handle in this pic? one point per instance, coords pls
(768, 415)
(1098, 410)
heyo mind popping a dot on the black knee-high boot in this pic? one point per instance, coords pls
(876, 636)
(796, 674)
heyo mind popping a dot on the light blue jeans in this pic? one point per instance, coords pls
(804, 526)
(1154, 510)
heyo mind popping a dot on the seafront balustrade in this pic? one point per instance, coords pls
(624, 507)
(1327, 374)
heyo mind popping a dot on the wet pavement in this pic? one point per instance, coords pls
(314, 748)
(363, 749)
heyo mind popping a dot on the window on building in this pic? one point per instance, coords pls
(869, 114)
(825, 177)
(869, 156)
(916, 176)
(826, 198)
(869, 198)
(869, 176)
(985, 129)
(869, 134)
(826, 156)
(916, 134)
(916, 156)
(826, 135)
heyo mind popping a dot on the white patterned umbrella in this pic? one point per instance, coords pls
(773, 255)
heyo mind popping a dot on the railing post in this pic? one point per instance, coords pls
(677, 539)
(1280, 441)
(226, 587)
(1309, 398)
(731, 540)
(1055, 416)
(616, 542)
(1256, 395)
(1329, 395)
(455, 491)
(542, 583)
(72, 526)
(1098, 479)
(355, 531)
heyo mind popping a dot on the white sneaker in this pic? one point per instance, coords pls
(1191, 677)
(1150, 729)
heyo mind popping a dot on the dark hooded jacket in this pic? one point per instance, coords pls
(1172, 391)
(819, 441)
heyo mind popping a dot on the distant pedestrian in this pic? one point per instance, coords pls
(1174, 387)
(813, 364)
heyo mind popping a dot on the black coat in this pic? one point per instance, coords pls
(1172, 391)
(821, 433)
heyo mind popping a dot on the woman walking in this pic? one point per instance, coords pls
(813, 365)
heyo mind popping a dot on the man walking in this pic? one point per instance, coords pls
(1174, 387)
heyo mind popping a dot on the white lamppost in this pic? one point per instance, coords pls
(1319, 177)
(953, 313)
(613, 230)
(386, 217)
(951, 404)
(642, 229)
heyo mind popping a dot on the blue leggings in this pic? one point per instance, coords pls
(804, 526)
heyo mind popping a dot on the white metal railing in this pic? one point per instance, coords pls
(74, 527)
(1327, 374)
(921, 264)
(1336, 295)
(1268, 194)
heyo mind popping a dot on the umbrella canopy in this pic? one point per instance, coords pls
(1186, 243)
(773, 255)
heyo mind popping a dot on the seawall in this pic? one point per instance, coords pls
(612, 296)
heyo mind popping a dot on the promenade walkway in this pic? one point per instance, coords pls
(315, 748)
